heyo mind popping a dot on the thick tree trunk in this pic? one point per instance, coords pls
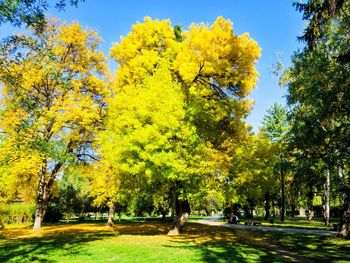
(345, 220)
(182, 212)
(283, 193)
(326, 213)
(111, 212)
(267, 206)
(40, 199)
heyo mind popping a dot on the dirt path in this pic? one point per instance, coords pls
(215, 222)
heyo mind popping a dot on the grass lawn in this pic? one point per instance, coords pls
(295, 222)
(148, 242)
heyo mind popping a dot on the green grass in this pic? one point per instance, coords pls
(295, 222)
(148, 242)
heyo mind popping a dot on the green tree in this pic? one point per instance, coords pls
(317, 86)
(29, 12)
(276, 127)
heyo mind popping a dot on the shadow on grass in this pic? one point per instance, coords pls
(315, 247)
(211, 244)
(28, 248)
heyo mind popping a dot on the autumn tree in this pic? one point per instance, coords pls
(180, 99)
(54, 89)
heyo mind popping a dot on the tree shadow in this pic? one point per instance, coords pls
(31, 246)
(211, 244)
(218, 244)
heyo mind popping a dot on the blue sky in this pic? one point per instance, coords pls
(275, 25)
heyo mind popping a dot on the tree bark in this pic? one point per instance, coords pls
(345, 219)
(293, 206)
(182, 213)
(267, 206)
(111, 212)
(327, 199)
(40, 199)
(283, 193)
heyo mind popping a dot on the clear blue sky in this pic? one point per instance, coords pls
(273, 24)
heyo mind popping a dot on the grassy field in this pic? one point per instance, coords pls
(148, 242)
(295, 222)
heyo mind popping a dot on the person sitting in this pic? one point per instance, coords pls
(235, 219)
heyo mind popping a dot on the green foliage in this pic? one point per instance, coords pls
(17, 212)
(29, 12)
(275, 123)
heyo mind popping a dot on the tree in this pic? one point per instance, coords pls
(275, 127)
(29, 12)
(319, 14)
(178, 103)
(317, 87)
(252, 174)
(55, 85)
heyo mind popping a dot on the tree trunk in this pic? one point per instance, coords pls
(310, 197)
(283, 193)
(293, 206)
(327, 201)
(267, 206)
(110, 221)
(182, 212)
(40, 199)
(119, 215)
(345, 219)
(173, 205)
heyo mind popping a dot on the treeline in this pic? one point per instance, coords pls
(167, 131)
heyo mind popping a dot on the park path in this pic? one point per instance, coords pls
(214, 221)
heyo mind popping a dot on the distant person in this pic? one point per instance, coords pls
(235, 219)
(212, 213)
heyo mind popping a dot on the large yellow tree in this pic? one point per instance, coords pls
(180, 100)
(54, 90)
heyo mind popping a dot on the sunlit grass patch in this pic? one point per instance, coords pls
(148, 242)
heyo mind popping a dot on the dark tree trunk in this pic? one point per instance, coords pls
(310, 204)
(173, 205)
(293, 206)
(111, 212)
(283, 192)
(267, 206)
(345, 219)
(182, 212)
